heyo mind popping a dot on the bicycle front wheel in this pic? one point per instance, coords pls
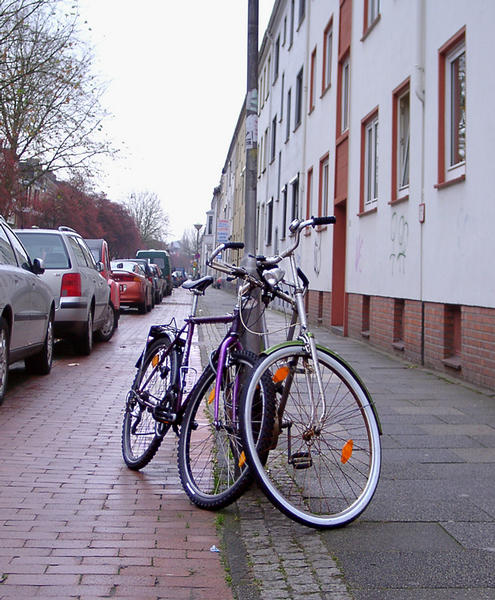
(141, 433)
(317, 459)
(212, 465)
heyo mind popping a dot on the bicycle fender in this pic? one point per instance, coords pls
(156, 332)
(338, 358)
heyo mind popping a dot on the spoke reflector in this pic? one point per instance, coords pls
(346, 451)
(155, 360)
(242, 459)
(211, 397)
(280, 374)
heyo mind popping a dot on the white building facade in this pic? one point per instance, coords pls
(376, 111)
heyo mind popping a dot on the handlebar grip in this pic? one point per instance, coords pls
(323, 221)
(234, 245)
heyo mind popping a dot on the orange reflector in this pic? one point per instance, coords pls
(242, 459)
(346, 451)
(155, 360)
(280, 374)
(211, 397)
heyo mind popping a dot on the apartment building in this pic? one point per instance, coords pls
(376, 111)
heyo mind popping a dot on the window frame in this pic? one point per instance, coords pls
(312, 80)
(294, 203)
(288, 111)
(324, 185)
(345, 94)
(298, 109)
(273, 140)
(371, 17)
(269, 222)
(448, 174)
(309, 194)
(400, 192)
(326, 71)
(369, 162)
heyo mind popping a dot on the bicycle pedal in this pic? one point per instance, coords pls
(301, 460)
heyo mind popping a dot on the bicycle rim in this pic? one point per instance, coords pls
(321, 470)
(212, 464)
(141, 433)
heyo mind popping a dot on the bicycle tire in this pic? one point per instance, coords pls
(321, 473)
(211, 462)
(141, 433)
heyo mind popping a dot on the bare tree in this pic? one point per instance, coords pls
(50, 111)
(150, 218)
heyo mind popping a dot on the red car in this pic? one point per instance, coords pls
(99, 250)
(135, 288)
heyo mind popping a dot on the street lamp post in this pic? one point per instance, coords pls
(197, 226)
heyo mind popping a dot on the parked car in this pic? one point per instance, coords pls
(149, 274)
(136, 290)
(99, 250)
(160, 283)
(27, 310)
(162, 259)
(178, 278)
(82, 295)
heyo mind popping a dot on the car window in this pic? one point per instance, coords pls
(78, 253)
(87, 254)
(20, 251)
(48, 246)
(7, 256)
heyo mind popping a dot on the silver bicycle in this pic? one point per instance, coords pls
(316, 454)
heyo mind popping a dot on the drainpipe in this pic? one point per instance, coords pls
(419, 90)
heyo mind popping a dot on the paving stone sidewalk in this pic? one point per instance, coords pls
(75, 522)
(429, 533)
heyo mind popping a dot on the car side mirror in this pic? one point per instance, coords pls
(38, 266)
(100, 266)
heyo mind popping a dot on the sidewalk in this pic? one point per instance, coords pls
(429, 532)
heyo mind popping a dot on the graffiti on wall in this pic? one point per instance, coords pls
(399, 235)
(359, 254)
(317, 255)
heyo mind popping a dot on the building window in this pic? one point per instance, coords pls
(309, 193)
(452, 110)
(369, 162)
(284, 212)
(323, 187)
(299, 99)
(344, 99)
(284, 39)
(294, 187)
(291, 25)
(302, 10)
(287, 127)
(265, 149)
(371, 13)
(327, 57)
(276, 59)
(400, 141)
(273, 139)
(282, 92)
(269, 222)
(312, 76)
(210, 225)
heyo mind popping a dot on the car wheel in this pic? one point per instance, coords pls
(41, 363)
(4, 357)
(84, 344)
(106, 331)
(142, 308)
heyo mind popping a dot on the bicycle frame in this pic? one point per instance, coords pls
(184, 345)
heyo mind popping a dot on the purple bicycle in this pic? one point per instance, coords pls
(212, 465)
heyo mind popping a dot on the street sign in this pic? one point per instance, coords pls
(223, 231)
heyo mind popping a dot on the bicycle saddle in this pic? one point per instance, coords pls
(198, 284)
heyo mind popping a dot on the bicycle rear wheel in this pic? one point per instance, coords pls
(323, 464)
(211, 461)
(141, 433)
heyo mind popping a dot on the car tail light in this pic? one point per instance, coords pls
(71, 285)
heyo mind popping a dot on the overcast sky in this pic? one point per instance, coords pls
(177, 80)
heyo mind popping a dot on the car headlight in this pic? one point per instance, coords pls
(273, 276)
